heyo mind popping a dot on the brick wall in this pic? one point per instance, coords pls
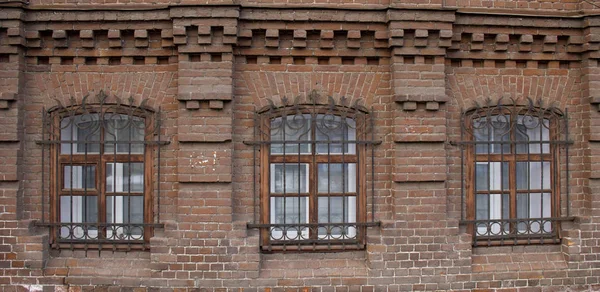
(210, 68)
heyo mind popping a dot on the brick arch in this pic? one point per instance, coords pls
(63, 86)
(556, 90)
(262, 86)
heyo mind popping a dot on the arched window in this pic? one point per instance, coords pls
(513, 173)
(313, 178)
(101, 175)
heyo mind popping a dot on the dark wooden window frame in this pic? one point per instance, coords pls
(100, 234)
(317, 236)
(506, 231)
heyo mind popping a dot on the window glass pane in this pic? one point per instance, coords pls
(337, 178)
(125, 209)
(289, 210)
(80, 177)
(532, 129)
(492, 207)
(83, 209)
(491, 176)
(496, 128)
(120, 176)
(289, 178)
(78, 209)
(291, 128)
(84, 129)
(533, 175)
(337, 210)
(482, 207)
(534, 205)
(333, 128)
(123, 128)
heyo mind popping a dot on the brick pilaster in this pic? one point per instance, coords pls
(21, 252)
(204, 38)
(582, 242)
(417, 66)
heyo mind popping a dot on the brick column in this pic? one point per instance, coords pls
(19, 248)
(579, 244)
(418, 85)
(419, 126)
(204, 38)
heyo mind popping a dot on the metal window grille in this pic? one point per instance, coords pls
(515, 170)
(100, 165)
(316, 165)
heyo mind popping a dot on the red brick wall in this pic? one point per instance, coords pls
(210, 68)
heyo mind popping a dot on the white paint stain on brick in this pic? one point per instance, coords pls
(203, 162)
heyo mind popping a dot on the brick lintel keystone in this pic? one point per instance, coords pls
(409, 102)
(195, 104)
(8, 96)
(421, 98)
(596, 101)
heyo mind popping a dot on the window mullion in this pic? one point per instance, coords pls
(512, 177)
(129, 123)
(329, 227)
(314, 179)
(554, 160)
(299, 182)
(102, 182)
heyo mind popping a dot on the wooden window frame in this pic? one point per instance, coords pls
(100, 160)
(552, 157)
(312, 160)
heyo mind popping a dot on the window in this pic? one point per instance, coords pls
(513, 183)
(313, 180)
(101, 174)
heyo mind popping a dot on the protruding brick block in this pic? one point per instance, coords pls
(140, 34)
(299, 38)
(501, 43)
(59, 34)
(86, 34)
(114, 33)
(421, 37)
(272, 38)
(550, 42)
(114, 38)
(192, 104)
(60, 38)
(526, 39)
(409, 106)
(141, 38)
(353, 39)
(87, 38)
(326, 39)
(215, 104)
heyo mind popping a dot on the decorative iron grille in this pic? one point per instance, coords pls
(100, 165)
(315, 164)
(515, 172)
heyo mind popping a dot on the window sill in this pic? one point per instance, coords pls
(91, 242)
(498, 232)
(305, 242)
(321, 247)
